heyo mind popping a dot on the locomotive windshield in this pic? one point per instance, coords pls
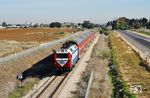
(62, 55)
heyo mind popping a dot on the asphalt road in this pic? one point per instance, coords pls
(141, 42)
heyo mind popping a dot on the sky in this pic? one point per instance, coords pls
(47, 11)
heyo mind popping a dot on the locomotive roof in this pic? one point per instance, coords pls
(81, 38)
(70, 48)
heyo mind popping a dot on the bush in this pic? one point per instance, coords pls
(104, 31)
(105, 54)
(55, 24)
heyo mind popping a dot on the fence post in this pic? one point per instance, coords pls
(89, 85)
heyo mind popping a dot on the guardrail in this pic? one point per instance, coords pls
(89, 85)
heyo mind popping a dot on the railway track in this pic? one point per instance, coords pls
(38, 96)
(55, 90)
(51, 87)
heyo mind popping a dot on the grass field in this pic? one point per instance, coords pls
(128, 63)
(16, 40)
(144, 32)
(11, 47)
(34, 34)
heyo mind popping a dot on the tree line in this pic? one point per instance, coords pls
(85, 24)
(124, 23)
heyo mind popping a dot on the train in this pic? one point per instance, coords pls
(71, 51)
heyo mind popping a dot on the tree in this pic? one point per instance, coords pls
(144, 22)
(125, 23)
(55, 24)
(79, 24)
(122, 23)
(114, 25)
(86, 24)
(4, 24)
(109, 23)
(148, 25)
(131, 23)
(35, 25)
(137, 25)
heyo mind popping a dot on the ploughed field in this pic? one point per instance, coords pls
(16, 40)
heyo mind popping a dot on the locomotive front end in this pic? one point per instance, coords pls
(62, 59)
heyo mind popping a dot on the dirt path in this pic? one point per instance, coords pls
(76, 76)
(101, 86)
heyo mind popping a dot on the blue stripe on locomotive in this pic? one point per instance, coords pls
(75, 56)
(75, 60)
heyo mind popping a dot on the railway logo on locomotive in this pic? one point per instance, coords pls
(61, 62)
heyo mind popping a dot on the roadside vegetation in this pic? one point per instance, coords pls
(23, 89)
(126, 71)
(104, 30)
(143, 32)
(120, 87)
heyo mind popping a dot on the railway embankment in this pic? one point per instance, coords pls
(98, 63)
(34, 64)
(33, 67)
(144, 56)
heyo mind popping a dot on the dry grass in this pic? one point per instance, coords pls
(101, 87)
(22, 89)
(9, 70)
(36, 66)
(146, 32)
(16, 40)
(34, 34)
(11, 47)
(129, 66)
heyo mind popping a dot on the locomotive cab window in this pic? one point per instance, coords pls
(62, 55)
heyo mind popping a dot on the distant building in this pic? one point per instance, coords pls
(28, 24)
